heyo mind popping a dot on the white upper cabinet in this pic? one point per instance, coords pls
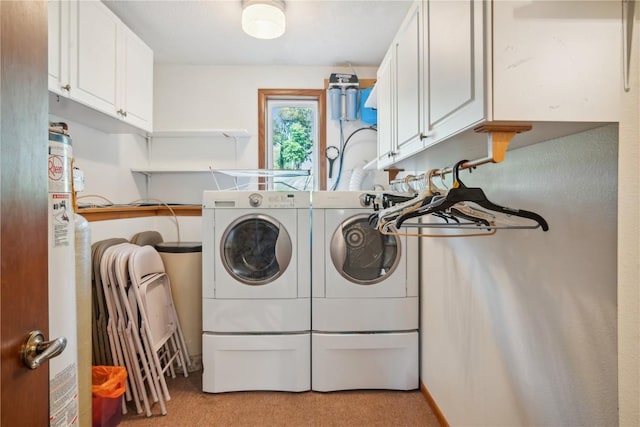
(96, 61)
(135, 97)
(386, 107)
(398, 83)
(453, 63)
(94, 55)
(58, 38)
(408, 82)
(555, 65)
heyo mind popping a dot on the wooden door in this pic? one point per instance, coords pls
(23, 207)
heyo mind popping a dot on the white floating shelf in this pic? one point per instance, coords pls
(238, 173)
(262, 173)
(171, 169)
(201, 133)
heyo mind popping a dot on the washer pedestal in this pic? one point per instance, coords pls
(255, 362)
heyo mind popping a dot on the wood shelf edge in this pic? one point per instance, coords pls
(124, 212)
(500, 126)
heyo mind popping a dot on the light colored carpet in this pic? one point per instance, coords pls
(189, 406)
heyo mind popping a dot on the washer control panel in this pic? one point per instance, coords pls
(255, 200)
(272, 200)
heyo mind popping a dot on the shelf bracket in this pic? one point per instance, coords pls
(499, 136)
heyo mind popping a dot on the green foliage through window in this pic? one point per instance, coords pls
(292, 137)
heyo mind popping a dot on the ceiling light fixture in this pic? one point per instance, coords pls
(263, 19)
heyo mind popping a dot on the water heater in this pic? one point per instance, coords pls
(63, 369)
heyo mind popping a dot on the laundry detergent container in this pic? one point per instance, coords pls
(183, 264)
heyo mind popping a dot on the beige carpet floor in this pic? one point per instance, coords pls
(189, 406)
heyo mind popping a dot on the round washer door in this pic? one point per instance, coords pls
(256, 249)
(361, 254)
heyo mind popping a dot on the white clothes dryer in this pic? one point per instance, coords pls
(256, 291)
(364, 299)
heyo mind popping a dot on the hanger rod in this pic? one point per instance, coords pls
(499, 136)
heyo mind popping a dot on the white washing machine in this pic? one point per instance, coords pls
(256, 291)
(364, 299)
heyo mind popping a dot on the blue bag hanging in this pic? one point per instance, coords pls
(367, 115)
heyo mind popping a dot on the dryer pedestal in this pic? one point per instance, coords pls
(365, 361)
(255, 362)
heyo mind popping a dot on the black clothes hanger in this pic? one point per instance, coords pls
(462, 193)
(386, 200)
(478, 221)
(373, 218)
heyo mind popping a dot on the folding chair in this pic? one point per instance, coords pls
(116, 342)
(127, 325)
(101, 349)
(144, 238)
(159, 326)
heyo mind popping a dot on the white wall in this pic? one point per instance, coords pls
(520, 328)
(106, 160)
(629, 245)
(226, 97)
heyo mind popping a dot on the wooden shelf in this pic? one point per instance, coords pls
(123, 212)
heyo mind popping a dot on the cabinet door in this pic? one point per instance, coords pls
(58, 46)
(93, 55)
(135, 80)
(408, 83)
(454, 55)
(386, 108)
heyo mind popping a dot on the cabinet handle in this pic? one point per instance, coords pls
(67, 87)
(122, 112)
(425, 135)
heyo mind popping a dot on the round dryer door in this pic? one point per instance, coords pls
(362, 254)
(255, 249)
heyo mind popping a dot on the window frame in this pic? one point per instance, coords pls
(319, 95)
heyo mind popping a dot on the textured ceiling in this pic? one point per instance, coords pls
(319, 32)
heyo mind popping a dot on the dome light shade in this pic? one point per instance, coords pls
(263, 19)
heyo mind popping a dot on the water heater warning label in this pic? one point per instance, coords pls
(60, 211)
(63, 398)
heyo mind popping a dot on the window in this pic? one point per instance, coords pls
(292, 135)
